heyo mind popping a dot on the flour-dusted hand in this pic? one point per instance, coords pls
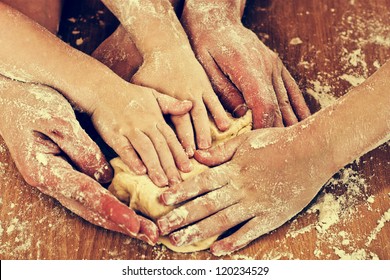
(170, 67)
(41, 131)
(261, 186)
(133, 125)
(274, 173)
(177, 73)
(243, 71)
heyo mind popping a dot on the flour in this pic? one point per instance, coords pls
(353, 80)
(381, 223)
(359, 254)
(295, 41)
(321, 92)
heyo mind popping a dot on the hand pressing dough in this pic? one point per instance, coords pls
(142, 195)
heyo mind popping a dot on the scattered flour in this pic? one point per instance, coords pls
(295, 41)
(381, 223)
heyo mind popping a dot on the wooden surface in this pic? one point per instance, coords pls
(328, 46)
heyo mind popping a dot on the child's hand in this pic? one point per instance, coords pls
(41, 131)
(129, 119)
(177, 73)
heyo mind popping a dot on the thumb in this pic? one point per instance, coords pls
(172, 106)
(220, 153)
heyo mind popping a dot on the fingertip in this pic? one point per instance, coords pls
(203, 156)
(159, 179)
(104, 174)
(240, 111)
(189, 151)
(148, 232)
(167, 198)
(220, 248)
(204, 143)
(187, 167)
(223, 124)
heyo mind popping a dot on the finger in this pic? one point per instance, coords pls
(220, 153)
(170, 105)
(80, 148)
(165, 156)
(180, 157)
(185, 133)
(295, 95)
(82, 195)
(148, 231)
(209, 180)
(213, 225)
(127, 153)
(147, 151)
(197, 209)
(255, 86)
(226, 91)
(202, 125)
(286, 111)
(253, 229)
(218, 113)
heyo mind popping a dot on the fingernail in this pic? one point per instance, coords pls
(162, 179)
(163, 226)
(203, 153)
(204, 144)
(146, 239)
(174, 181)
(218, 249)
(187, 166)
(104, 174)
(187, 102)
(176, 239)
(189, 152)
(240, 110)
(167, 198)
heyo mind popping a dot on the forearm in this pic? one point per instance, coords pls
(355, 124)
(152, 25)
(30, 53)
(213, 11)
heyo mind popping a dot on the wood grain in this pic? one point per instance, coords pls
(340, 42)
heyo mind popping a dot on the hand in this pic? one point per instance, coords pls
(41, 132)
(177, 73)
(129, 119)
(241, 68)
(262, 186)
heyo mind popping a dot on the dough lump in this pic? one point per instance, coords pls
(142, 195)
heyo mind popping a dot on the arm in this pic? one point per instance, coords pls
(170, 67)
(273, 174)
(243, 71)
(114, 105)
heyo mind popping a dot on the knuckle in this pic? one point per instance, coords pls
(223, 219)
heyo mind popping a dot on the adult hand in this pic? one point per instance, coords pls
(242, 70)
(261, 186)
(41, 132)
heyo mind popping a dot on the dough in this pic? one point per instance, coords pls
(142, 195)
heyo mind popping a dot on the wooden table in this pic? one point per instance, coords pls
(328, 46)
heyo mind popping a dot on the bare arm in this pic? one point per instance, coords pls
(270, 175)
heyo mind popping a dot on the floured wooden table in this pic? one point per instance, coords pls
(328, 46)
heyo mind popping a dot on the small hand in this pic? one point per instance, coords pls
(242, 70)
(178, 74)
(262, 186)
(129, 119)
(41, 132)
